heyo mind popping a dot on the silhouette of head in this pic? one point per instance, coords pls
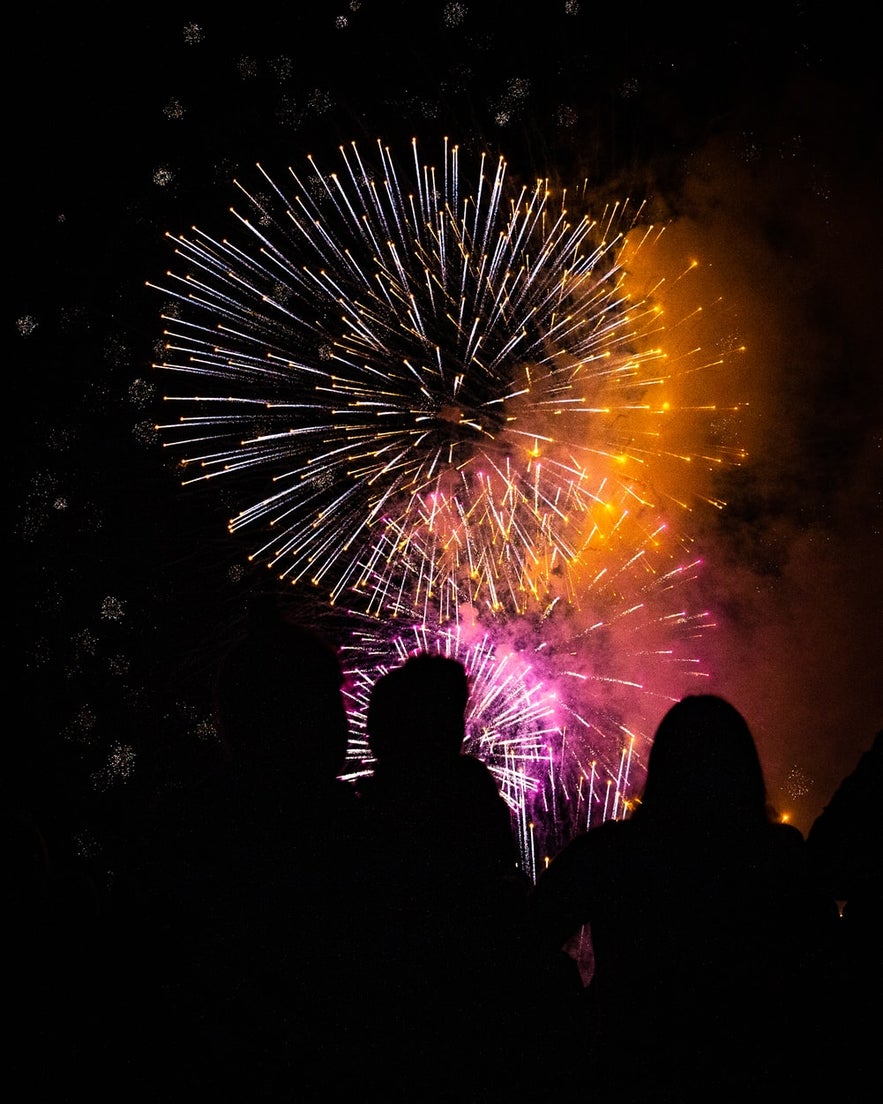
(704, 765)
(278, 695)
(419, 709)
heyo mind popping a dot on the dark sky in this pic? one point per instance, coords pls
(756, 133)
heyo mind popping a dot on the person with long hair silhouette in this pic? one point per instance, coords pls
(703, 921)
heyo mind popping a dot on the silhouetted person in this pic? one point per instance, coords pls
(424, 788)
(249, 881)
(446, 891)
(704, 926)
(845, 843)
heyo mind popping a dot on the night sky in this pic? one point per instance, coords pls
(756, 133)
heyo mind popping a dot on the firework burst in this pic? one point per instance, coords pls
(452, 397)
(456, 412)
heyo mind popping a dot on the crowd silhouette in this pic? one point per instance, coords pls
(278, 933)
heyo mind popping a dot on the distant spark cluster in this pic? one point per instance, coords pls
(444, 406)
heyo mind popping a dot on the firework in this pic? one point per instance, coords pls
(433, 396)
(550, 697)
(515, 723)
(456, 412)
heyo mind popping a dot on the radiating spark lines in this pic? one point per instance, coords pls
(433, 396)
(464, 411)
